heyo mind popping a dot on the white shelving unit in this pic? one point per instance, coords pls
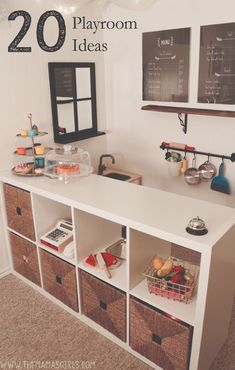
(179, 310)
(59, 255)
(99, 207)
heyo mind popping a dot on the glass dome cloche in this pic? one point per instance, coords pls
(66, 162)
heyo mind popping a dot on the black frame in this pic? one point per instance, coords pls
(77, 134)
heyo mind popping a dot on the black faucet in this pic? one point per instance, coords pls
(102, 166)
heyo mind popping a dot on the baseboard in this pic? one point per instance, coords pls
(4, 273)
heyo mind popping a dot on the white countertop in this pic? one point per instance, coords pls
(149, 210)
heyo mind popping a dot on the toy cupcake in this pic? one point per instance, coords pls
(23, 132)
(35, 128)
(32, 132)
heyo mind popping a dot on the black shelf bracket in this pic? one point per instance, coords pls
(163, 146)
(183, 121)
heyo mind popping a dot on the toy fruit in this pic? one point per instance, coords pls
(166, 268)
(90, 260)
(182, 281)
(188, 277)
(179, 269)
(176, 278)
(157, 263)
(109, 259)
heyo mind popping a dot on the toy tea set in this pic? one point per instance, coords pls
(63, 163)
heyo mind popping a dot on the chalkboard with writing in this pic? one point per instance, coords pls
(166, 65)
(217, 64)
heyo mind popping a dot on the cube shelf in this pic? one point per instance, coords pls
(121, 307)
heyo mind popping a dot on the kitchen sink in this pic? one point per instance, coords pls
(118, 176)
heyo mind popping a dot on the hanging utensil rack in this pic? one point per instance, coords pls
(164, 146)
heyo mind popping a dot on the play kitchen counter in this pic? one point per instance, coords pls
(161, 331)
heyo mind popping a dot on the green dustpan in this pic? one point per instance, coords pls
(220, 183)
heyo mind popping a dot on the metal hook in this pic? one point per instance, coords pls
(168, 154)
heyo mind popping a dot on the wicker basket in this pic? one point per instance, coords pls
(59, 279)
(162, 340)
(104, 304)
(168, 289)
(25, 259)
(19, 211)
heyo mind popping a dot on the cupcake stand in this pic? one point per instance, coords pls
(36, 152)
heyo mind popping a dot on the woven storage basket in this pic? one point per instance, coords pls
(25, 259)
(19, 211)
(59, 279)
(164, 341)
(104, 304)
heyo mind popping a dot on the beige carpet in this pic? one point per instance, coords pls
(37, 334)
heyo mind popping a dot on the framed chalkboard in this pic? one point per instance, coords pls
(166, 65)
(217, 64)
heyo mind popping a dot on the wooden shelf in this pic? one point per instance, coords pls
(197, 111)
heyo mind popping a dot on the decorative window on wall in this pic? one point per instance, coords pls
(217, 64)
(166, 65)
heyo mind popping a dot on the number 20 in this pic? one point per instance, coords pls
(13, 47)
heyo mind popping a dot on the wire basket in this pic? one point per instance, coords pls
(166, 288)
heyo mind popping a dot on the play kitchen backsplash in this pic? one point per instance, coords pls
(185, 164)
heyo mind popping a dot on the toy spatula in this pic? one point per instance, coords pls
(102, 264)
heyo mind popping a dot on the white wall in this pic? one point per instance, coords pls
(24, 76)
(25, 83)
(135, 134)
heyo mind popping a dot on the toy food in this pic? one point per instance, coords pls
(38, 171)
(23, 168)
(166, 268)
(67, 168)
(32, 132)
(179, 269)
(188, 277)
(109, 259)
(158, 263)
(35, 128)
(176, 278)
(39, 149)
(21, 151)
(90, 260)
(24, 132)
